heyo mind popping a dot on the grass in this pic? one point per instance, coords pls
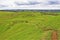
(28, 25)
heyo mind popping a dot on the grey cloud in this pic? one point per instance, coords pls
(50, 2)
(12, 4)
(2, 6)
(53, 2)
(29, 3)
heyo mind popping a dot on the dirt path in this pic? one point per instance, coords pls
(54, 35)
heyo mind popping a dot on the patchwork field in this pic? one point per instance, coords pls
(29, 25)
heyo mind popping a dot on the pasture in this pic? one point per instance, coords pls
(28, 25)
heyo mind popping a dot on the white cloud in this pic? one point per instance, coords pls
(40, 4)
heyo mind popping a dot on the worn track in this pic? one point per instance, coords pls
(54, 35)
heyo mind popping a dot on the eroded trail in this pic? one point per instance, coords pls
(54, 35)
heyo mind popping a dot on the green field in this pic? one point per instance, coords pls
(28, 25)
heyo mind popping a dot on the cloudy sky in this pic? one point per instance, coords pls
(29, 4)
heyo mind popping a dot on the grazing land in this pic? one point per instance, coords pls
(29, 25)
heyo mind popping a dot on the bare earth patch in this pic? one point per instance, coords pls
(54, 35)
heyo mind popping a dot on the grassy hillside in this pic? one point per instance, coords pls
(28, 25)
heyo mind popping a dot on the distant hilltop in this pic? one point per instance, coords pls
(32, 10)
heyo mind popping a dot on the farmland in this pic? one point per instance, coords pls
(29, 25)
